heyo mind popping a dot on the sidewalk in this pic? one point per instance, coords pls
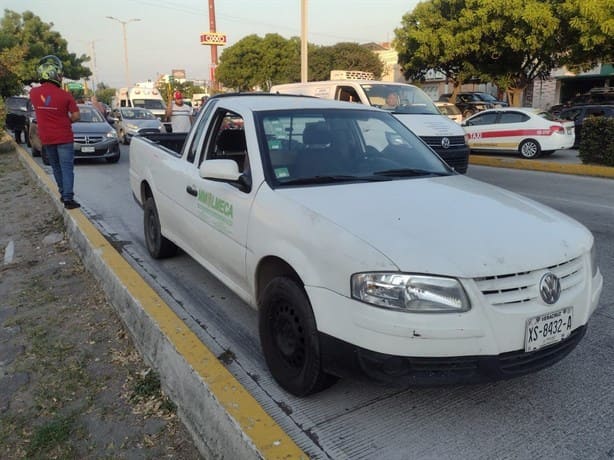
(73, 383)
(561, 161)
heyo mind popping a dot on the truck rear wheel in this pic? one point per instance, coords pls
(158, 246)
(289, 338)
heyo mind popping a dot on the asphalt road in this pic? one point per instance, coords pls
(565, 412)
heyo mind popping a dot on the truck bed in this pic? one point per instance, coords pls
(172, 141)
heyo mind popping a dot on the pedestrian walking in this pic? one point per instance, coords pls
(56, 110)
(179, 113)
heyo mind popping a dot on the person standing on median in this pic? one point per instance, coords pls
(179, 113)
(56, 110)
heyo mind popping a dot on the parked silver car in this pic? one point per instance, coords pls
(133, 121)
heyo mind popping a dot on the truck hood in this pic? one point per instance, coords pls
(430, 125)
(451, 225)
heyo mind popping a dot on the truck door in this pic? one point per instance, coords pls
(220, 210)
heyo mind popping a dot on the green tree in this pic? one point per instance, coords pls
(509, 42)
(589, 28)
(27, 37)
(240, 64)
(343, 56)
(255, 62)
(433, 36)
(104, 93)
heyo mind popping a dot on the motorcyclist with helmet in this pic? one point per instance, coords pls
(56, 110)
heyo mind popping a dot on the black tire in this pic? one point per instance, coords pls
(113, 159)
(158, 246)
(529, 149)
(289, 338)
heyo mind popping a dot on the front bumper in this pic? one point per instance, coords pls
(476, 345)
(346, 360)
(104, 149)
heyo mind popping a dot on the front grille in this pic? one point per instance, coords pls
(518, 288)
(435, 141)
(94, 139)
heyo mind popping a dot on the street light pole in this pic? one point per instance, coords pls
(123, 23)
(304, 58)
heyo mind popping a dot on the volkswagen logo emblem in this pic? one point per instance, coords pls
(550, 288)
(445, 143)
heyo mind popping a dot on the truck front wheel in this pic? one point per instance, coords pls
(289, 338)
(158, 246)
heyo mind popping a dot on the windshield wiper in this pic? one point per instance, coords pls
(409, 172)
(333, 179)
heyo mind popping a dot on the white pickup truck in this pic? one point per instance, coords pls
(362, 251)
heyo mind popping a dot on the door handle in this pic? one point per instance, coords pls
(191, 190)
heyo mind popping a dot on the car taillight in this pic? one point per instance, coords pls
(557, 129)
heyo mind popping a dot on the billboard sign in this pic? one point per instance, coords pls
(212, 38)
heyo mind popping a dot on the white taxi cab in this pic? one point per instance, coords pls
(530, 132)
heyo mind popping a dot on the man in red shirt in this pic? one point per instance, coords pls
(56, 110)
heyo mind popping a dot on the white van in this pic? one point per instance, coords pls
(412, 106)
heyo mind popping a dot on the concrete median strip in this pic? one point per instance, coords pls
(546, 166)
(224, 419)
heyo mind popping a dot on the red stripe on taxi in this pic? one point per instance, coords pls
(521, 132)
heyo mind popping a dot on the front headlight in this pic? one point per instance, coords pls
(411, 293)
(111, 134)
(131, 127)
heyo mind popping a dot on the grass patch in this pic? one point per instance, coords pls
(51, 435)
(146, 385)
(147, 392)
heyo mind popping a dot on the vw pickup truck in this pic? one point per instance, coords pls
(362, 251)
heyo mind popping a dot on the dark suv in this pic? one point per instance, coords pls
(578, 113)
(16, 116)
(471, 103)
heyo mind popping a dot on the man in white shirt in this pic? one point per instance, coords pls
(179, 114)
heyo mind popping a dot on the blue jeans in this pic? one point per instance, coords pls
(61, 158)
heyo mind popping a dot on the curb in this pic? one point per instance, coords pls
(225, 421)
(537, 165)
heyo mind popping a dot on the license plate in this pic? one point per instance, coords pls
(88, 149)
(547, 329)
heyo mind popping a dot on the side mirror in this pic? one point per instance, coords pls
(225, 171)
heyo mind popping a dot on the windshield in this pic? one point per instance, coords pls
(89, 115)
(400, 99)
(137, 114)
(304, 147)
(151, 104)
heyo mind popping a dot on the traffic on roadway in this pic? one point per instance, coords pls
(359, 418)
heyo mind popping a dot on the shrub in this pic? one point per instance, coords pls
(597, 142)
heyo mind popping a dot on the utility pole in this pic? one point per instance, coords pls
(213, 47)
(304, 59)
(95, 68)
(123, 23)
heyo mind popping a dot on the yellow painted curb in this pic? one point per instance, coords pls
(537, 165)
(269, 439)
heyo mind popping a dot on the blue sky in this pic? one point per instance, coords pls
(167, 35)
